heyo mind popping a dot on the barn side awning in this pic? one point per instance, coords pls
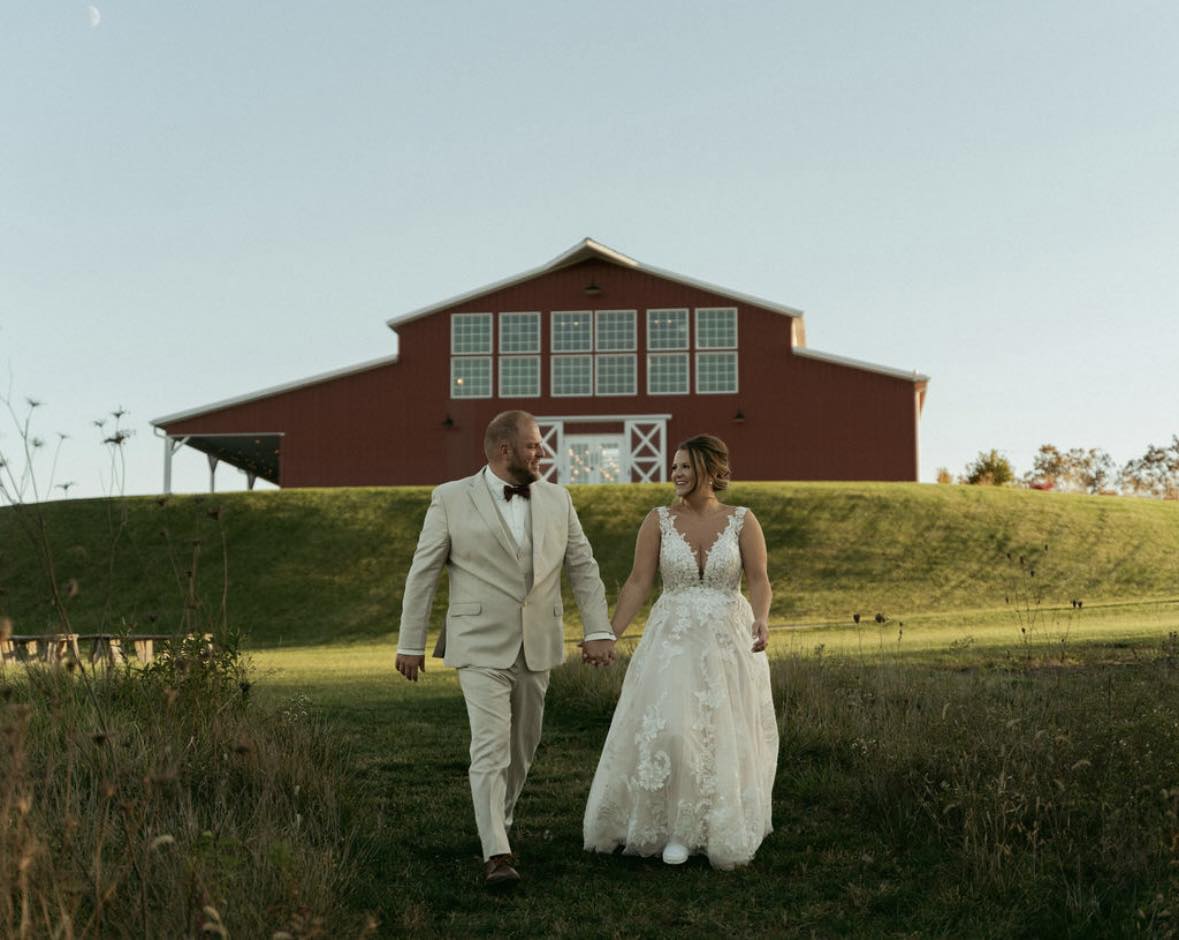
(256, 454)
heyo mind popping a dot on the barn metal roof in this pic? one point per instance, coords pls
(585, 250)
(273, 390)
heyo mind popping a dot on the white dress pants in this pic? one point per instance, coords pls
(506, 710)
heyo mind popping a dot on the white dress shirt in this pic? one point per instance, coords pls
(517, 511)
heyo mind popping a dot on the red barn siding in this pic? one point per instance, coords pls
(803, 418)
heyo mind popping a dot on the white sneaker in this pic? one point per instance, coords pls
(675, 853)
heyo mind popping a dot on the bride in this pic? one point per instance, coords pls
(688, 765)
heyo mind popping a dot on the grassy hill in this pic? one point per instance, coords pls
(314, 566)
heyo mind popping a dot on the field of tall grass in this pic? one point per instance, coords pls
(166, 802)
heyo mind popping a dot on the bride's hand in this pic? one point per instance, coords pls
(761, 635)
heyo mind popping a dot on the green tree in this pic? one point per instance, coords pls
(1155, 473)
(989, 468)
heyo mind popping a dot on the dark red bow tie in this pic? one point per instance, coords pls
(521, 490)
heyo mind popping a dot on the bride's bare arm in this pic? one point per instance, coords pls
(638, 585)
(753, 558)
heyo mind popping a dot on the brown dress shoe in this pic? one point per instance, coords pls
(499, 873)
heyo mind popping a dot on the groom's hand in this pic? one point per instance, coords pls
(598, 652)
(410, 666)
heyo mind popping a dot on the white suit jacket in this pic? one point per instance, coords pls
(491, 611)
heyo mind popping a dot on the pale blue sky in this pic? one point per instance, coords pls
(202, 199)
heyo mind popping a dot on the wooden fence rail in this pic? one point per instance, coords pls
(107, 649)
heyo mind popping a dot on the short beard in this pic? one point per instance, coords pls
(521, 472)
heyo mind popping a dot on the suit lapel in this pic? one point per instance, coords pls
(485, 506)
(543, 507)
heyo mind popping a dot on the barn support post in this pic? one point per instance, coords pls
(171, 445)
(213, 461)
(250, 480)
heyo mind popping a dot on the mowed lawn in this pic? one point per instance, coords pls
(828, 869)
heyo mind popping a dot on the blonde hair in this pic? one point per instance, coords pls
(710, 460)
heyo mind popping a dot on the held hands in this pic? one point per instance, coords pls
(597, 652)
(761, 635)
(410, 666)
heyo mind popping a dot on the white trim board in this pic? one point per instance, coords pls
(274, 390)
(585, 249)
(913, 376)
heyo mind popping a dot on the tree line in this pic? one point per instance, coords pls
(1080, 470)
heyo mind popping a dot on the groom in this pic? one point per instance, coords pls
(503, 536)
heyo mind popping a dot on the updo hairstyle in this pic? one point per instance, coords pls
(710, 460)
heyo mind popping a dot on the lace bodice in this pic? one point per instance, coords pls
(679, 566)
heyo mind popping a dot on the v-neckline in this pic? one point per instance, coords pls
(701, 565)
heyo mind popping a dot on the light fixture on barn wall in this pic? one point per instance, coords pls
(739, 416)
(448, 422)
(592, 289)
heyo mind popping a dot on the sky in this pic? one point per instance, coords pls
(200, 200)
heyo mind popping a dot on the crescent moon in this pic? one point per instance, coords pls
(95, 16)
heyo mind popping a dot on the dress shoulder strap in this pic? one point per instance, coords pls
(738, 519)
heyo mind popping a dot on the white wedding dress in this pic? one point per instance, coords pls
(693, 745)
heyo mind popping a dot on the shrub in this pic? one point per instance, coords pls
(989, 469)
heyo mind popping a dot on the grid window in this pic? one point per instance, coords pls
(470, 334)
(667, 329)
(573, 331)
(470, 377)
(615, 330)
(519, 376)
(616, 375)
(667, 374)
(716, 327)
(572, 375)
(716, 373)
(519, 332)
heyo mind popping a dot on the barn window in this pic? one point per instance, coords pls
(667, 374)
(667, 329)
(519, 332)
(615, 330)
(573, 331)
(470, 377)
(519, 376)
(716, 373)
(572, 375)
(716, 327)
(470, 334)
(616, 375)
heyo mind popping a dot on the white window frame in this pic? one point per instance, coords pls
(454, 360)
(736, 372)
(654, 312)
(504, 360)
(553, 375)
(505, 318)
(456, 317)
(588, 314)
(634, 332)
(733, 310)
(686, 356)
(598, 375)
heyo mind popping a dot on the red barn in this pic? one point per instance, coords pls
(618, 361)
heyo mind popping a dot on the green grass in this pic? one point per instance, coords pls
(868, 839)
(978, 664)
(321, 566)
